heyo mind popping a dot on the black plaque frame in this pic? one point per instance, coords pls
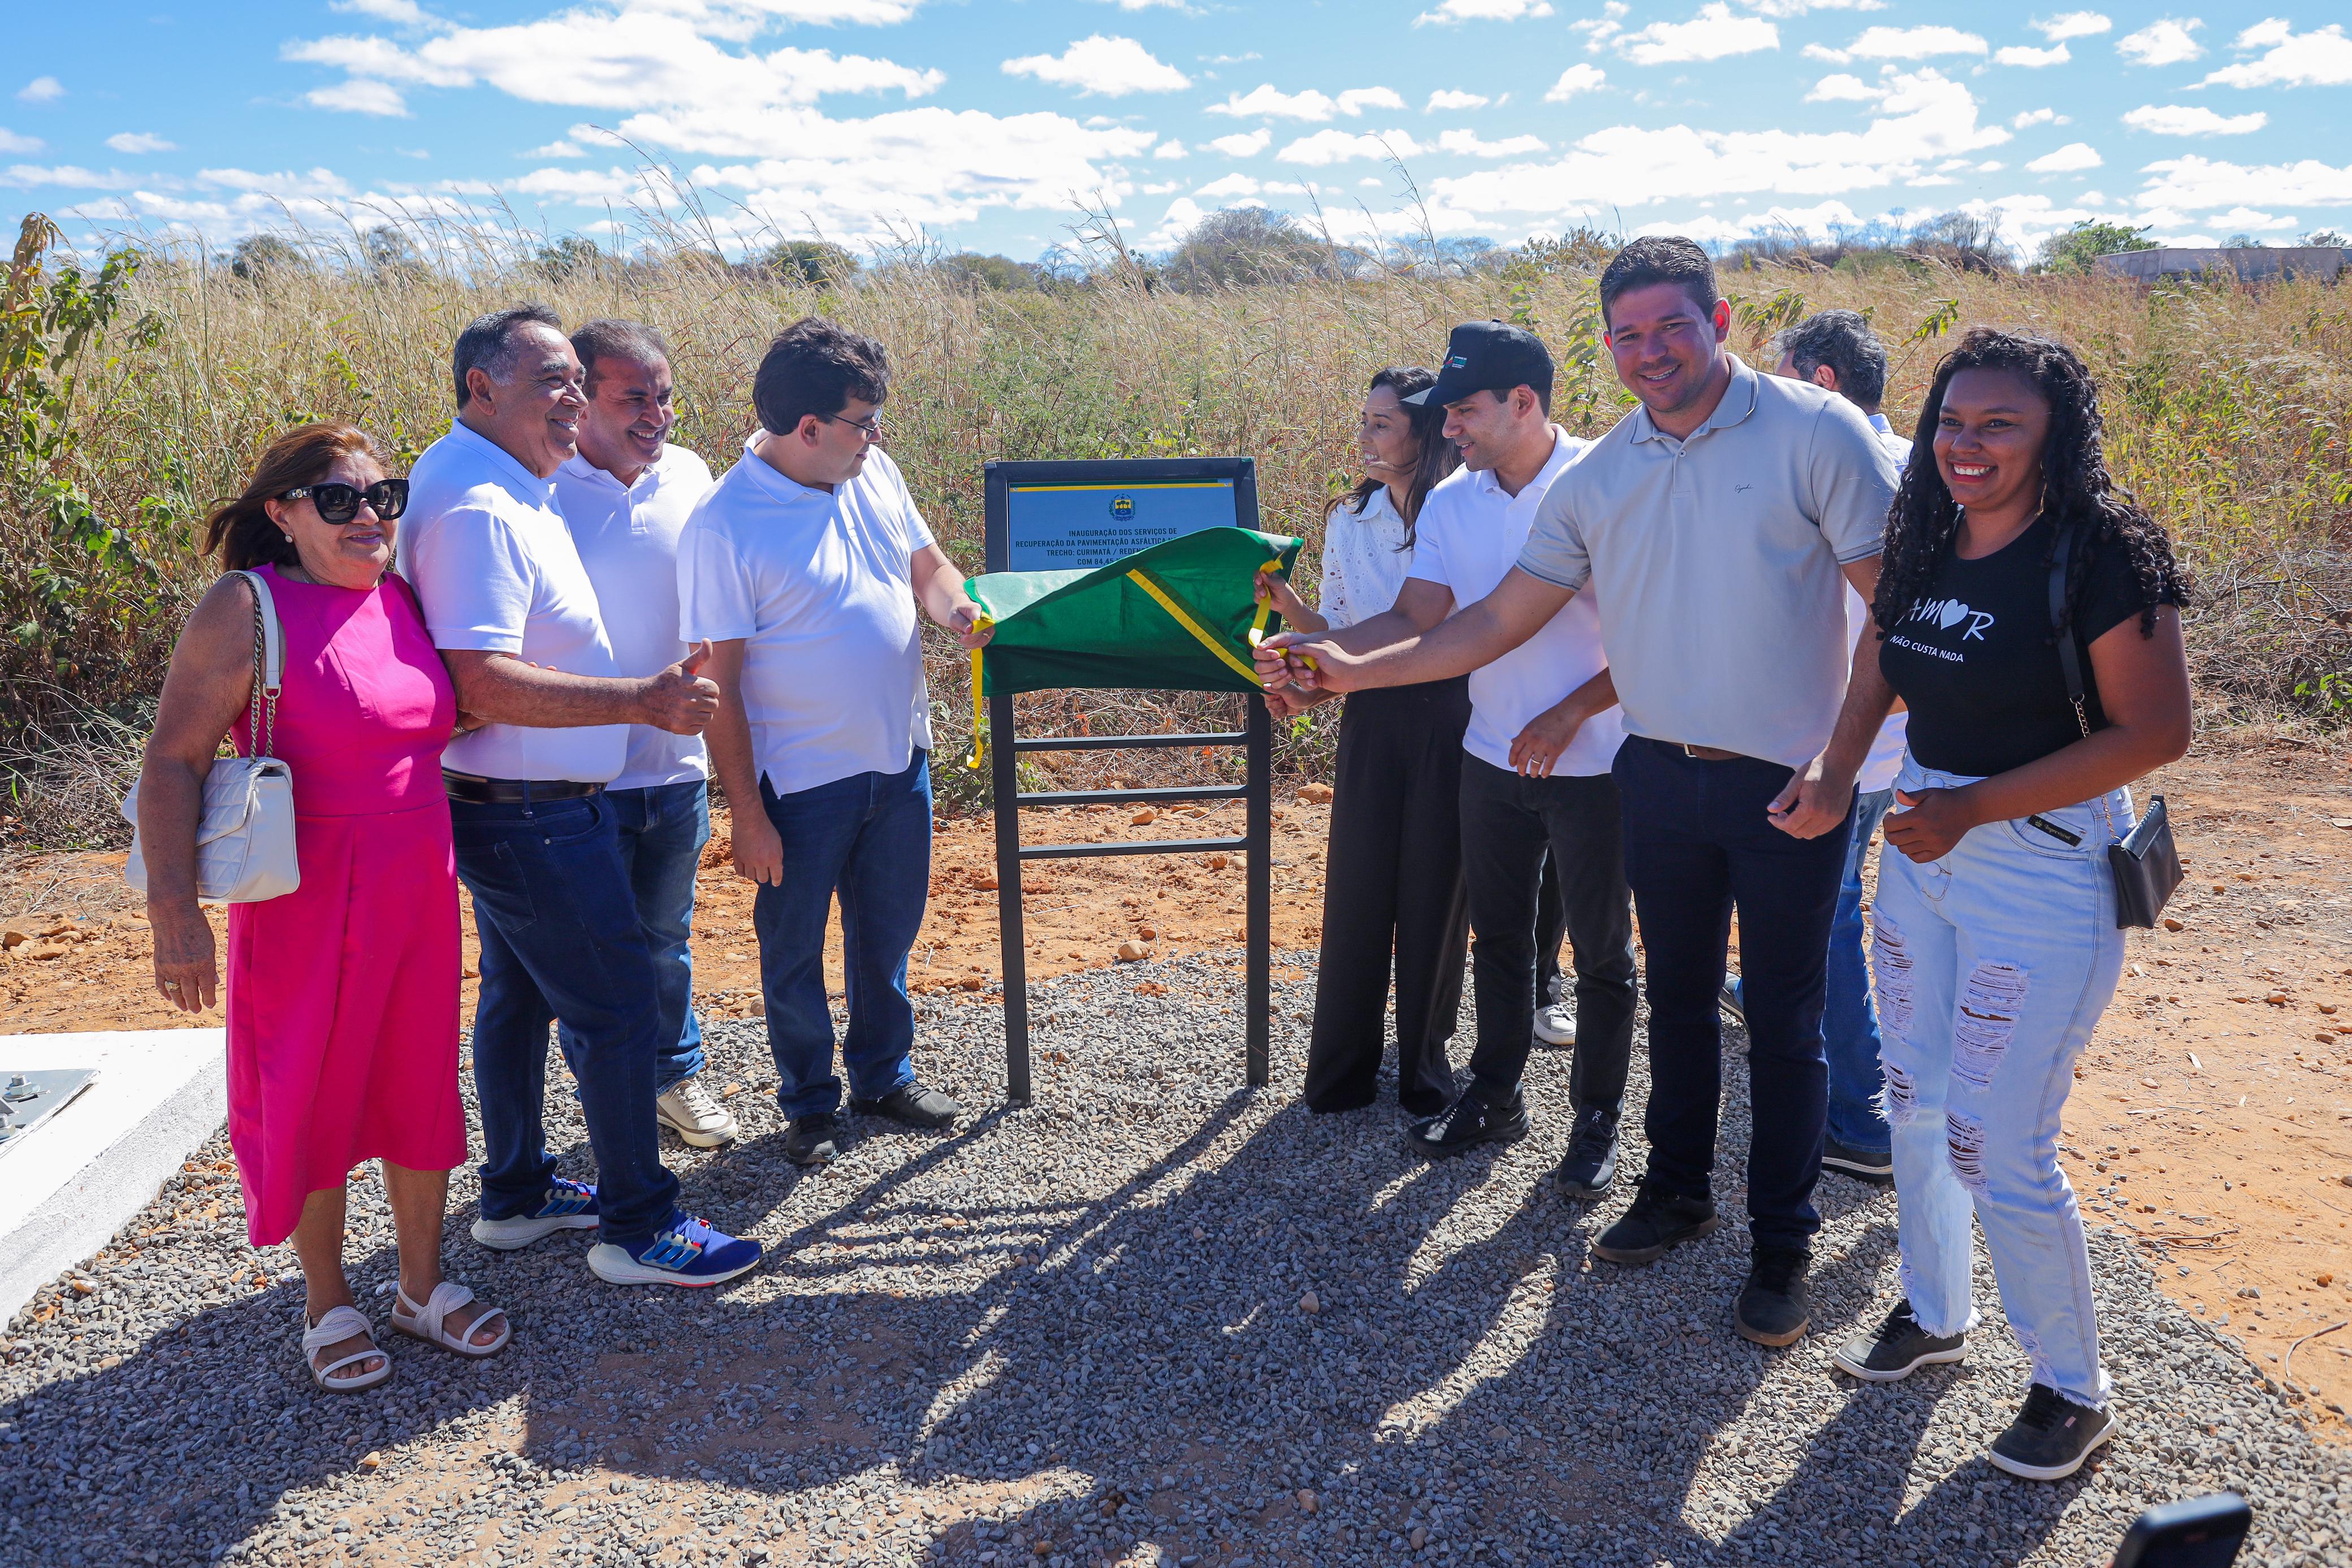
(1256, 842)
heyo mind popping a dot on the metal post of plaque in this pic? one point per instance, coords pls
(1077, 515)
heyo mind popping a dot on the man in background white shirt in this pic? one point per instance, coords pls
(1837, 350)
(515, 617)
(804, 569)
(624, 497)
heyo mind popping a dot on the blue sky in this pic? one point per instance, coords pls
(983, 124)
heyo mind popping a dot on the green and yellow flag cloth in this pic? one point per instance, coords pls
(1180, 616)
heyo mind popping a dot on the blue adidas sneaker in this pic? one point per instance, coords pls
(570, 1205)
(685, 1251)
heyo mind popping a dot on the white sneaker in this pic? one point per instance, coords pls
(686, 1108)
(1556, 1024)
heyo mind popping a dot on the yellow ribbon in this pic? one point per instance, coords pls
(1185, 618)
(1265, 610)
(978, 709)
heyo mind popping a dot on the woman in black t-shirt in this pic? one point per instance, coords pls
(1995, 947)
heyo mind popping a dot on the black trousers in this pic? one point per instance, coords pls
(1508, 823)
(1697, 844)
(1393, 884)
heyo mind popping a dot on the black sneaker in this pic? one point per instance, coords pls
(1656, 1221)
(1898, 1349)
(1473, 1118)
(1589, 1169)
(912, 1105)
(2051, 1437)
(1878, 1170)
(814, 1139)
(1732, 1000)
(1774, 1306)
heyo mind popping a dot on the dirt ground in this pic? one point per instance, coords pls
(2213, 1119)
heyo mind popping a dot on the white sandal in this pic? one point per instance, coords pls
(426, 1322)
(341, 1323)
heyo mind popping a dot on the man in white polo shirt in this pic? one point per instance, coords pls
(515, 616)
(1543, 729)
(1720, 522)
(624, 497)
(1837, 350)
(804, 569)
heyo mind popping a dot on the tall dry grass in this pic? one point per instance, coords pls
(2227, 411)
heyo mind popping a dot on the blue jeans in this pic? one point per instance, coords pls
(868, 838)
(1849, 1018)
(1697, 843)
(560, 939)
(662, 828)
(1994, 964)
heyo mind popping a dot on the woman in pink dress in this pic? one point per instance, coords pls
(342, 995)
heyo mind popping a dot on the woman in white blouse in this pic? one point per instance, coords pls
(1393, 875)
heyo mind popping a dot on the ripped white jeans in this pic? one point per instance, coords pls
(1991, 967)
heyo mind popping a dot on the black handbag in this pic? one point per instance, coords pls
(2146, 866)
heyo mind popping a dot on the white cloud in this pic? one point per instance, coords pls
(1786, 8)
(41, 90)
(2322, 57)
(1148, 4)
(1102, 67)
(2251, 221)
(1234, 184)
(1266, 101)
(1245, 146)
(70, 176)
(1712, 35)
(1160, 189)
(1454, 13)
(402, 13)
(1577, 77)
(2164, 43)
(1327, 147)
(2180, 120)
(140, 142)
(2030, 58)
(559, 148)
(1924, 118)
(359, 96)
(2200, 184)
(2038, 116)
(1842, 89)
(1183, 214)
(1469, 145)
(2074, 156)
(1448, 97)
(286, 182)
(1170, 149)
(1913, 43)
(2070, 25)
(12, 142)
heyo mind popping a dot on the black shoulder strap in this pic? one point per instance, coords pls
(2070, 659)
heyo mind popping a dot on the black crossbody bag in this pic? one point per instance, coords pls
(2146, 866)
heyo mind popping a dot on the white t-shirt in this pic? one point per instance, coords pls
(1364, 559)
(495, 568)
(1467, 539)
(627, 539)
(1880, 768)
(819, 585)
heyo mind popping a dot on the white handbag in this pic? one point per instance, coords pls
(245, 833)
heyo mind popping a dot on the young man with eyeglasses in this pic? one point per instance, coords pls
(804, 569)
(515, 616)
(626, 496)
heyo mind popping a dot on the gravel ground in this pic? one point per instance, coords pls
(1154, 1319)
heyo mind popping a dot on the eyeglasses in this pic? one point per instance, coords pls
(870, 426)
(339, 503)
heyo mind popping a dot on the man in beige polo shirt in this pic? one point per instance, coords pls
(1719, 522)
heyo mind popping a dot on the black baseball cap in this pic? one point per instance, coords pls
(1488, 356)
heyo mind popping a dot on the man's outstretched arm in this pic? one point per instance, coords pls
(1477, 634)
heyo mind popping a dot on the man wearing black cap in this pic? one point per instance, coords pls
(1543, 731)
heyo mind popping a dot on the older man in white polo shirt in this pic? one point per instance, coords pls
(1720, 523)
(515, 616)
(805, 569)
(626, 496)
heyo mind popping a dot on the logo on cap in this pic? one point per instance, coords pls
(1122, 507)
(1457, 361)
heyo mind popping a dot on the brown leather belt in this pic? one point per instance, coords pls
(1707, 753)
(482, 792)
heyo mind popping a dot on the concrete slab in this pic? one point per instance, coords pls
(68, 1185)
